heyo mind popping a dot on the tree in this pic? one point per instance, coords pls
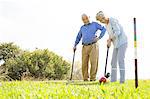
(8, 50)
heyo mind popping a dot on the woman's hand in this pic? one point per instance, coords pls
(109, 42)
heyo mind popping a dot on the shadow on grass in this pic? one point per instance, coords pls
(86, 83)
(74, 82)
(83, 83)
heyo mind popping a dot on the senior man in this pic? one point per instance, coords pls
(90, 49)
(119, 39)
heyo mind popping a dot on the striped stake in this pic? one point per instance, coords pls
(135, 54)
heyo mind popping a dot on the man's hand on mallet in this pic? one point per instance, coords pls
(74, 49)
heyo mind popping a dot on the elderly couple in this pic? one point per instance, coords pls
(90, 49)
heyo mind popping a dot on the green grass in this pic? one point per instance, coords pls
(75, 90)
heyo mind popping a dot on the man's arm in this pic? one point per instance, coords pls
(78, 38)
(102, 28)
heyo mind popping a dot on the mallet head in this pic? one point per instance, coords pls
(107, 75)
(102, 80)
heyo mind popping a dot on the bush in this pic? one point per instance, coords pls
(38, 64)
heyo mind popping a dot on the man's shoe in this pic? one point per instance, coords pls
(85, 79)
(93, 80)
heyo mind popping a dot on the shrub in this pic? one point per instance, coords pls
(38, 64)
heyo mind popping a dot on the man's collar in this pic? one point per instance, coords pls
(87, 24)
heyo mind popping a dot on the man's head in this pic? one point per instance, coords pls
(85, 19)
(100, 17)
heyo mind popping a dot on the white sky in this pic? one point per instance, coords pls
(54, 24)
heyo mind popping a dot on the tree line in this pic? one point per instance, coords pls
(38, 64)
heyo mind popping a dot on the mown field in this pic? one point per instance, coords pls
(73, 90)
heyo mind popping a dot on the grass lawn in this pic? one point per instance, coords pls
(74, 90)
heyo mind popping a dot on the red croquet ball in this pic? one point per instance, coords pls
(102, 80)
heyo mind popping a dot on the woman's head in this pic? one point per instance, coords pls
(100, 17)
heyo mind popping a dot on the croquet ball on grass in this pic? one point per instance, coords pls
(102, 80)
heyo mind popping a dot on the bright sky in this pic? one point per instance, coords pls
(54, 24)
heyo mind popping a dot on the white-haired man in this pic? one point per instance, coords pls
(90, 49)
(119, 39)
